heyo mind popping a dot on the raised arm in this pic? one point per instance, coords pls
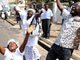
(29, 30)
(2, 50)
(60, 6)
(38, 15)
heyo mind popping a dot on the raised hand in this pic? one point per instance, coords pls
(30, 29)
(60, 6)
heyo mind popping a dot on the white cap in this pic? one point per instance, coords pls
(13, 40)
(31, 10)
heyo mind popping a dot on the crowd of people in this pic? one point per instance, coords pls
(64, 45)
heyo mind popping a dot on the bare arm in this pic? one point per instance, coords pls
(51, 19)
(60, 6)
(2, 50)
(29, 30)
(38, 15)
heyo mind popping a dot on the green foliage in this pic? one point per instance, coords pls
(76, 0)
(29, 0)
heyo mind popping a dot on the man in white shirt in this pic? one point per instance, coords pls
(46, 19)
(63, 46)
(29, 18)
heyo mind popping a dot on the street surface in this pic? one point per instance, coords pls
(8, 31)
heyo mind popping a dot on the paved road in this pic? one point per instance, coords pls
(8, 31)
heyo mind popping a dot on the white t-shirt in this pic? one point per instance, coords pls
(17, 55)
(42, 12)
(47, 14)
(33, 39)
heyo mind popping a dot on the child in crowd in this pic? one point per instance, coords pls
(13, 51)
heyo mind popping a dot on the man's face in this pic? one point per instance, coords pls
(30, 13)
(75, 10)
(46, 7)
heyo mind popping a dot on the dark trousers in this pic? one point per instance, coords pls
(46, 27)
(59, 52)
(18, 19)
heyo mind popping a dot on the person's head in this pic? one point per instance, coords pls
(71, 3)
(46, 7)
(16, 8)
(31, 12)
(76, 9)
(12, 45)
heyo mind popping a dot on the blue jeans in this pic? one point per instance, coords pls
(59, 52)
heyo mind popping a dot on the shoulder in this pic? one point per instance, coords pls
(6, 51)
(43, 9)
(49, 10)
(18, 51)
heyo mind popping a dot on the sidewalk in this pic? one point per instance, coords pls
(12, 20)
